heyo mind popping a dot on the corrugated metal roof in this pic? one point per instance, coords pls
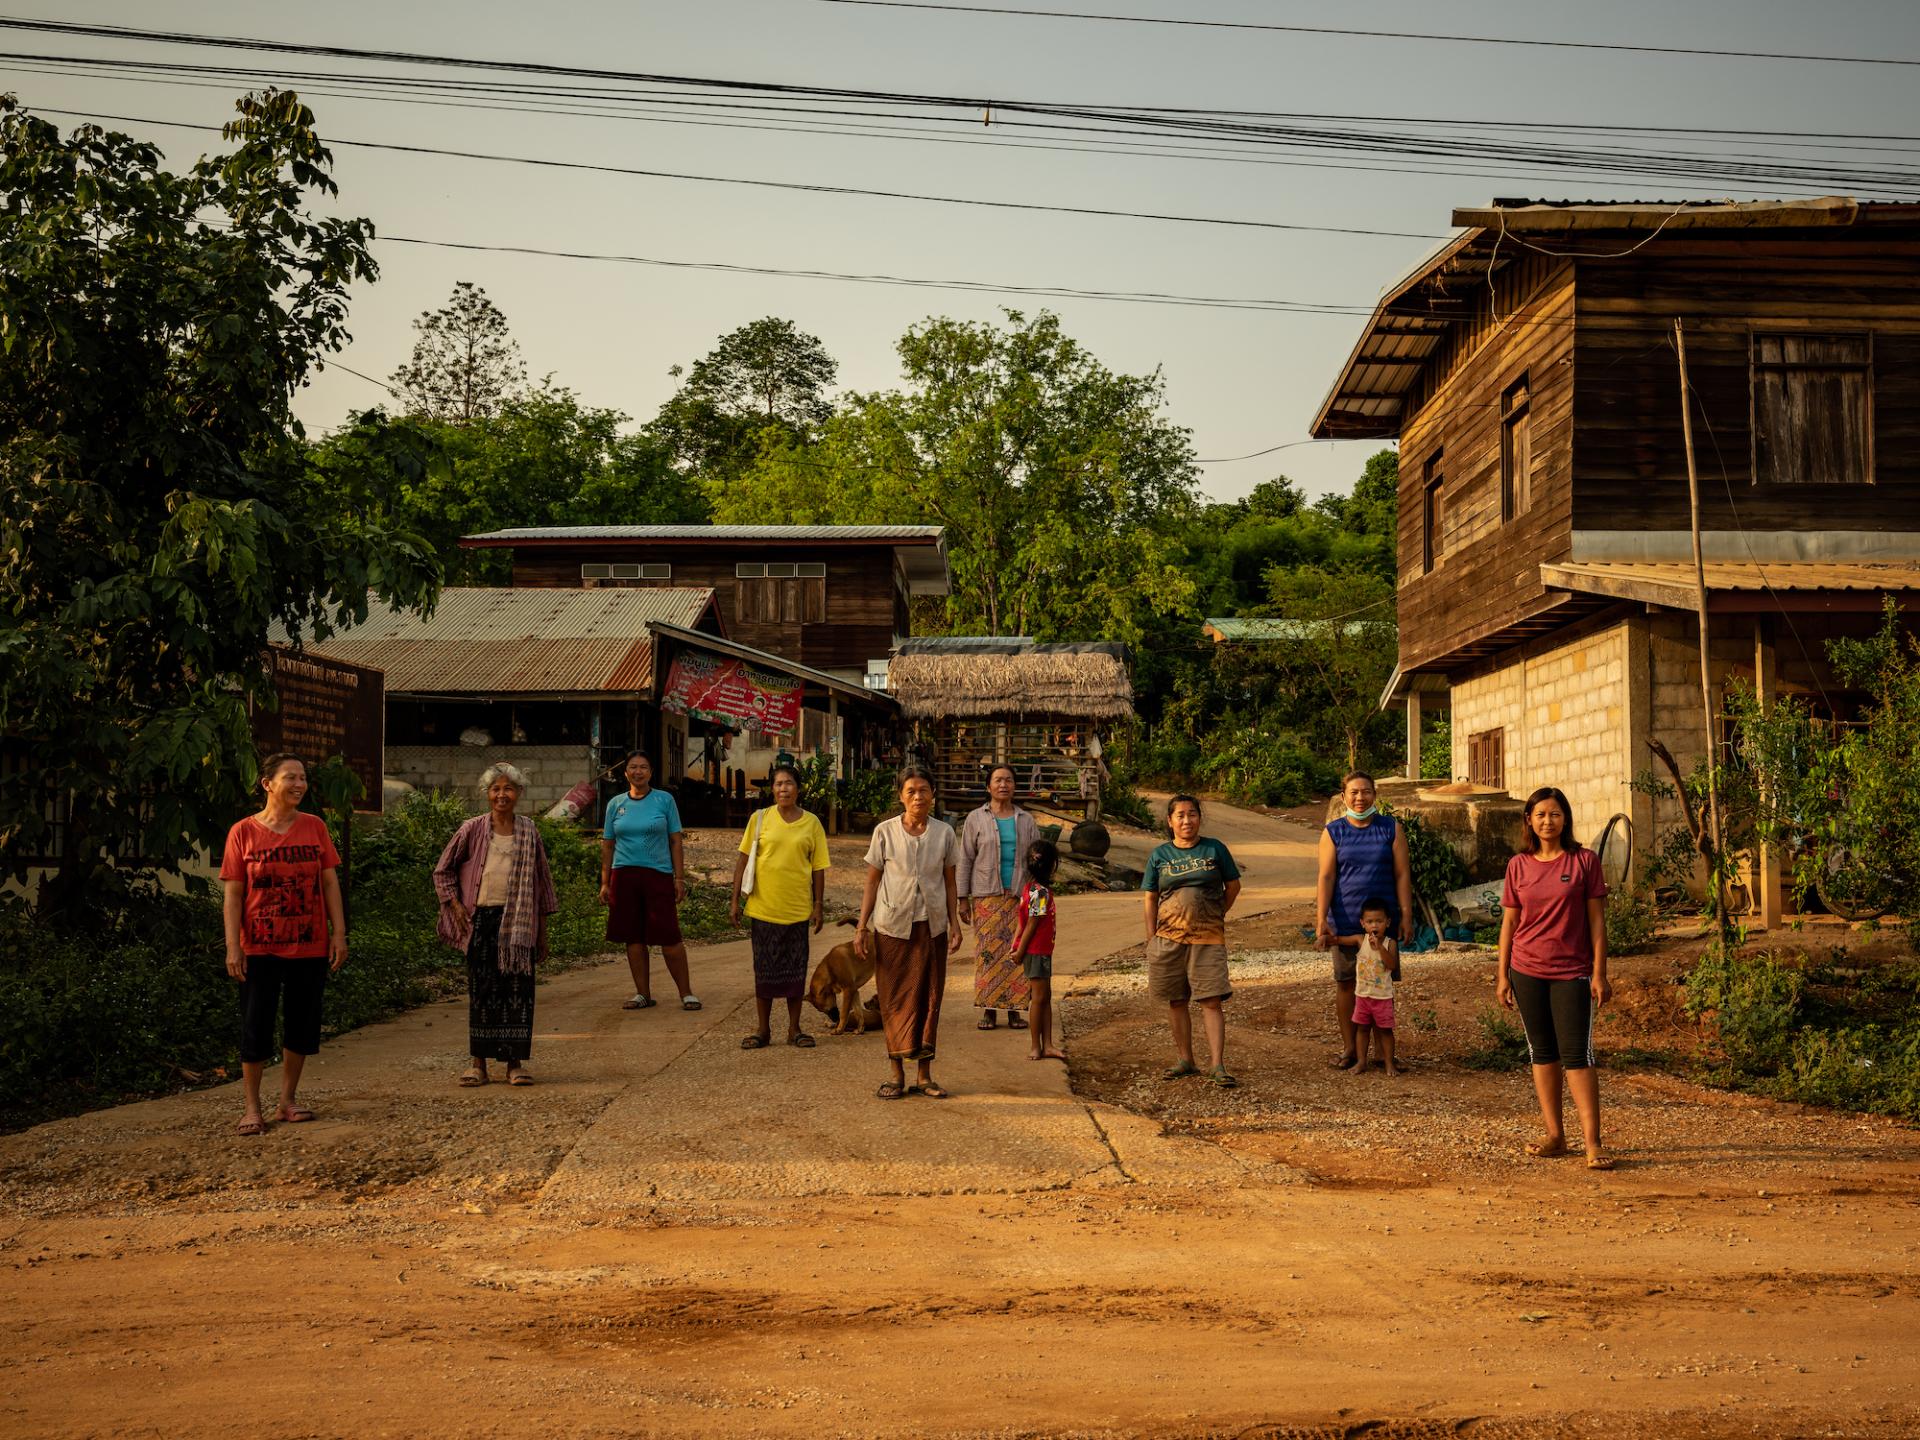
(520, 642)
(718, 534)
(1673, 583)
(1234, 628)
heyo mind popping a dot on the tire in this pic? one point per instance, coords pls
(1848, 888)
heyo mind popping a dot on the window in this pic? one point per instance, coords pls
(1487, 758)
(614, 574)
(780, 592)
(1812, 400)
(1430, 516)
(1516, 451)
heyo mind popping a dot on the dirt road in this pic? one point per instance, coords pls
(667, 1235)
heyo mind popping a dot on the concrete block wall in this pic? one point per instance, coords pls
(551, 770)
(1567, 711)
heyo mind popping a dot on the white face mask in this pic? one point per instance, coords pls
(1366, 814)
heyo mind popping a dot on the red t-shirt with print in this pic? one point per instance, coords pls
(1036, 902)
(285, 914)
(1551, 937)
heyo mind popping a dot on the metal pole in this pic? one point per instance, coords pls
(1700, 605)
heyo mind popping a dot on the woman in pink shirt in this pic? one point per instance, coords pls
(1553, 966)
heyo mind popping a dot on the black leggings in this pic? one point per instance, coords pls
(302, 982)
(1558, 1015)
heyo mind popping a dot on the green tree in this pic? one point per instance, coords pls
(543, 459)
(1062, 485)
(161, 516)
(1343, 649)
(765, 383)
(466, 364)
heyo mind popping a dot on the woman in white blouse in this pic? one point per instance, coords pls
(909, 921)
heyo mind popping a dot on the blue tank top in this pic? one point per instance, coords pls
(1362, 868)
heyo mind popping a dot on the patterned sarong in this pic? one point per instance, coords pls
(499, 1000)
(999, 981)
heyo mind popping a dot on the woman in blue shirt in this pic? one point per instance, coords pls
(643, 881)
(1362, 853)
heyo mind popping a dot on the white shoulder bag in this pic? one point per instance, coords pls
(753, 854)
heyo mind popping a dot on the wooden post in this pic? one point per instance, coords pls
(1700, 605)
(839, 761)
(1413, 734)
(1766, 859)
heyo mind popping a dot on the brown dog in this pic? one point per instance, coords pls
(834, 989)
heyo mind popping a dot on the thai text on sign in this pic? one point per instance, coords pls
(327, 708)
(732, 692)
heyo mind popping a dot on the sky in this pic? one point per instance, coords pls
(1241, 382)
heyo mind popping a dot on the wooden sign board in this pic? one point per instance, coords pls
(328, 708)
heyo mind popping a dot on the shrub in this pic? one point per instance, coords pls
(1631, 922)
(1755, 1005)
(1437, 867)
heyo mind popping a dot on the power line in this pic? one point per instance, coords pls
(1215, 124)
(1427, 35)
(795, 184)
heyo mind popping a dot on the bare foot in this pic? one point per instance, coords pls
(1050, 1053)
(1393, 1067)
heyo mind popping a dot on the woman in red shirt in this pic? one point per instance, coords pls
(286, 931)
(1553, 966)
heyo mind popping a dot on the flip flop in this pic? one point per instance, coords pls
(1014, 1022)
(753, 1042)
(689, 1002)
(251, 1127)
(988, 1025)
(1599, 1162)
(298, 1115)
(1181, 1071)
(519, 1077)
(891, 1090)
(929, 1089)
(1219, 1076)
(473, 1079)
(639, 1002)
(800, 1042)
(1546, 1149)
(1344, 1062)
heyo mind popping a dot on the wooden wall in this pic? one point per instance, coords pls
(861, 595)
(1486, 572)
(1629, 456)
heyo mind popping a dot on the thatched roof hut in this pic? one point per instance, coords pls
(969, 677)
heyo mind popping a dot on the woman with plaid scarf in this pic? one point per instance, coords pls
(496, 893)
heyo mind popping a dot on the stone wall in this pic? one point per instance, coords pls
(551, 770)
(1567, 710)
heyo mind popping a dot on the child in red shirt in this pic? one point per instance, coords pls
(1035, 945)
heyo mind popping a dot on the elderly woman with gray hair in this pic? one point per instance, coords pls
(496, 892)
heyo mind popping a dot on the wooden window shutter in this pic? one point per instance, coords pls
(1812, 409)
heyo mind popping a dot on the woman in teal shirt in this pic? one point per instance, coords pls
(643, 881)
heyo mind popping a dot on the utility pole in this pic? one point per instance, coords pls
(1700, 605)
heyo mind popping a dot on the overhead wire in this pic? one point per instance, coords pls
(1431, 36)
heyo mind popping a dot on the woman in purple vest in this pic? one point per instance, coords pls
(1362, 853)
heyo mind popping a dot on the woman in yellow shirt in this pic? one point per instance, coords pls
(789, 851)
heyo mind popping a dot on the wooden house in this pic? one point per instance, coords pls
(1528, 369)
(831, 597)
(980, 701)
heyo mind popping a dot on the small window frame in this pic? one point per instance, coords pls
(1757, 367)
(1516, 479)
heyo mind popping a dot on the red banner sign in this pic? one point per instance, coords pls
(732, 692)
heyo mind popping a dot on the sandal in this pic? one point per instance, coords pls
(928, 1089)
(1344, 1062)
(800, 1041)
(517, 1076)
(473, 1079)
(1219, 1076)
(639, 1002)
(753, 1042)
(251, 1127)
(1181, 1071)
(297, 1115)
(988, 1024)
(892, 1090)
(1546, 1149)
(689, 1002)
(1014, 1022)
(1599, 1162)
